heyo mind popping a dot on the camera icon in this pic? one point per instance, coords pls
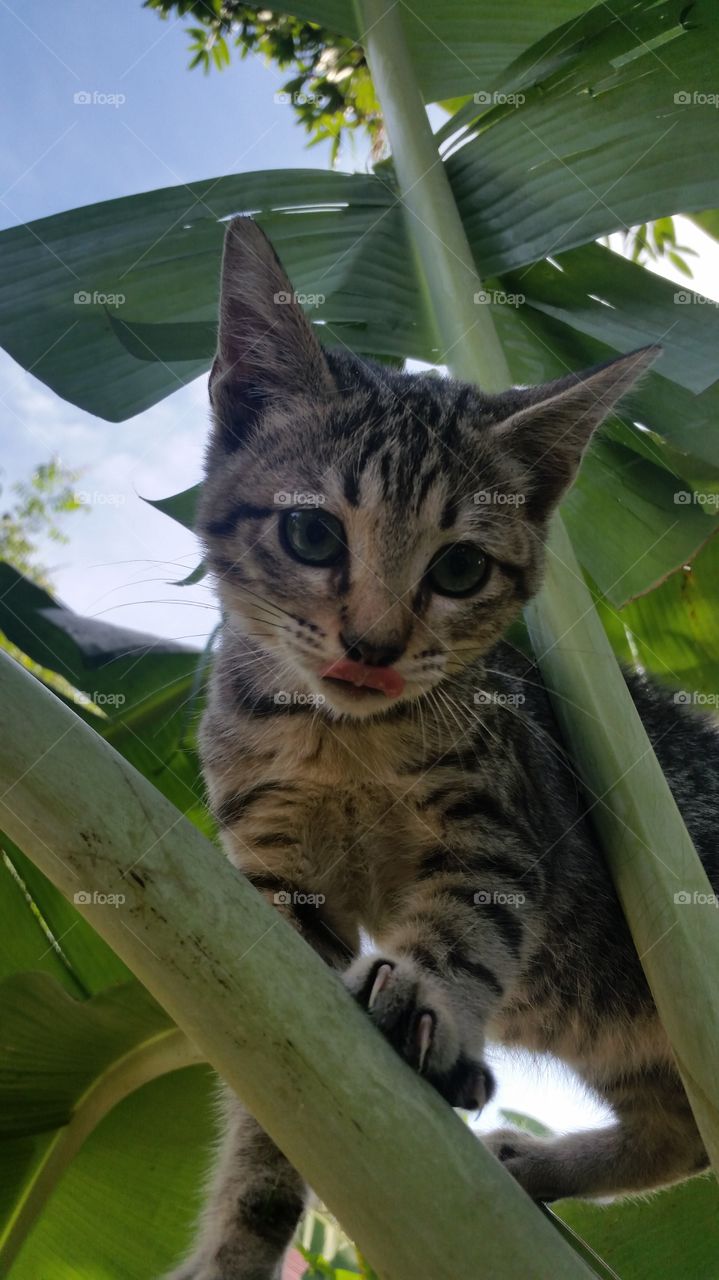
(283, 898)
(482, 298)
(281, 499)
(682, 296)
(82, 898)
(682, 497)
(682, 98)
(82, 298)
(283, 297)
(82, 98)
(283, 698)
(683, 897)
(482, 897)
(283, 99)
(682, 698)
(483, 98)
(482, 698)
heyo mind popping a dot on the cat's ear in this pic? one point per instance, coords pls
(266, 346)
(548, 428)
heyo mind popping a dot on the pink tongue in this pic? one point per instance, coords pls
(386, 679)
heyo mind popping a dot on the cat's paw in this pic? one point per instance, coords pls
(412, 1012)
(532, 1161)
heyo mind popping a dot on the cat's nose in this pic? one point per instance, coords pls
(362, 649)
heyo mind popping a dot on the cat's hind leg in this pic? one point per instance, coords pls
(653, 1143)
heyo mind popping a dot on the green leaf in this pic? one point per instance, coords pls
(41, 930)
(456, 47)
(66, 1063)
(646, 533)
(153, 260)
(674, 1235)
(528, 1123)
(117, 667)
(625, 306)
(145, 685)
(180, 506)
(675, 629)
(126, 1205)
(598, 143)
(24, 941)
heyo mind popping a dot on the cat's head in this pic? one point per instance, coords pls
(374, 531)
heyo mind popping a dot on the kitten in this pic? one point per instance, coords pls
(370, 739)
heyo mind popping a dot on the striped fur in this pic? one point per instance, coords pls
(448, 824)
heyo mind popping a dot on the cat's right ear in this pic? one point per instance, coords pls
(266, 346)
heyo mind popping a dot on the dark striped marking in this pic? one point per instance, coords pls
(426, 483)
(424, 958)
(457, 959)
(462, 963)
(225, 526)
(265, 706)
(233, 807)
(449, 514)
(309, 917)
(507, 924)
(477, 804)
(271, 1213)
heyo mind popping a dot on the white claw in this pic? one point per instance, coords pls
(424, 1036)
(380, 982)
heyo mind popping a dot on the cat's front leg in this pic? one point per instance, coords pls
(415, 1013)
(254, 1204)
(449, 960)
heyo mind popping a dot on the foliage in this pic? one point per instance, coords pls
(330, 88)
(36, 507)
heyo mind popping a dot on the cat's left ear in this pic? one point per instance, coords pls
(548, 428)
(266, 347)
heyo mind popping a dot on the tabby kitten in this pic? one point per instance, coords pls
(371, 740)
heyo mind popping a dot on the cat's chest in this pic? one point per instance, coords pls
(343, 813)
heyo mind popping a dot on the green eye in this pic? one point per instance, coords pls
(313, 536)
(458, 569)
